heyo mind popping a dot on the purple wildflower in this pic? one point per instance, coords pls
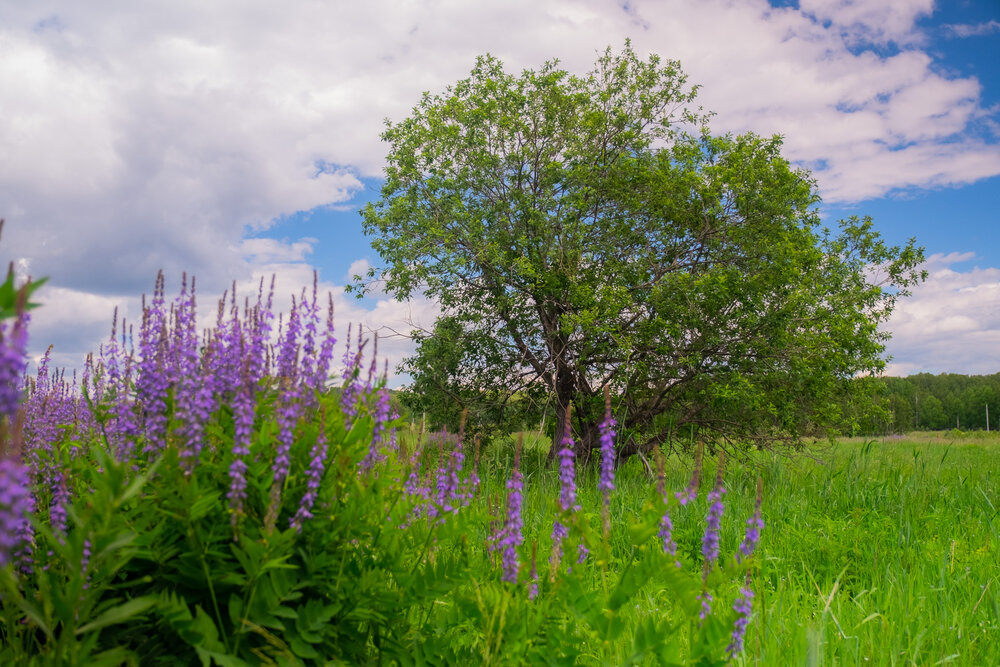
(755, 524)
(744, 607)
(243, 415)
(607, 429)
(447, 477)
(16, 505)
(152, 382)
(317, 466)
(713, 524)
(511, 537)
(533, 587)
(567, 490)
(691, 492)
(383, 407)
(706, 605)
(666, 533)
(351, 389)
(85, 563)
(57, 507)
(667, 537)
(567, 471)
(13, 361)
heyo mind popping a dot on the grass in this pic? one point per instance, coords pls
(876, 552)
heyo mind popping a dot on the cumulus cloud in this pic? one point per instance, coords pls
(951, 323)
(161, 135)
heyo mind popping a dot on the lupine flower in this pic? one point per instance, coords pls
(351, 389)
(691, 492)
(85, 563)
(13, 361)
(567, 471)
(706, 605)
(447, 477)
(512, 537)
(713, 524)
(666, 533)
(383, 409)
(243, 415)
(606, 484)
(16, 506)
(744, 607)
(582, 552)
(710, 541)
(755, 524)
(567, 490)
(57, 507)
(607, 429)
(666, 536)
(317, 466)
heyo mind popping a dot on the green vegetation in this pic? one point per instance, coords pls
(936, 402)
(589, 231)
(876, 552)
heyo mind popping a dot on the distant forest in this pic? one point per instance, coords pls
(928, 402)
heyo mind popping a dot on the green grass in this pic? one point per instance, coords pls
(875, 552)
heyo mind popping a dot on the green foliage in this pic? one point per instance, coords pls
(154, 568)
(935, 402)
(582, 231)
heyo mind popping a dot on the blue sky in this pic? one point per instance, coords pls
(234, 140)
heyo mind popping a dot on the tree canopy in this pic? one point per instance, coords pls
(583, 231)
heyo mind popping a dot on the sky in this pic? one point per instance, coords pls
(236, 140)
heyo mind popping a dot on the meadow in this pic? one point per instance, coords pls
(205, 498)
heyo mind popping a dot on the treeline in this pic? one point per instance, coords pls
(928, 402)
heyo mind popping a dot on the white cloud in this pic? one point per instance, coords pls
(973, 30)
(144, 136)
(951, 323)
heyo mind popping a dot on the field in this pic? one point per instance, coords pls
(875, 551)
(206, 499)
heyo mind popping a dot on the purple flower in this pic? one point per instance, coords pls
(152, 381)
(755, 524)
(13, 362)
(706, 605)
(607, 429)
(744, 607)
(85, 563)
(317, 466)
(567, 472)
(667, 537)
(351, 390)
(243, 415)
(383, 408)
(713, 524)
(16, 505)
(57, 507)
(511, 537)
(559, 533)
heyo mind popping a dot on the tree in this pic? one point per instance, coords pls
(582, 231)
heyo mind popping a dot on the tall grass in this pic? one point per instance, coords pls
(875, 552)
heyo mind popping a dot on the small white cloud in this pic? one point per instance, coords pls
(961, 30)
(270, 251)
(358, 267)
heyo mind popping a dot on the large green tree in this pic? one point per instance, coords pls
(583, 231)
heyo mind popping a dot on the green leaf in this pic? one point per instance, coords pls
(119, 614)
